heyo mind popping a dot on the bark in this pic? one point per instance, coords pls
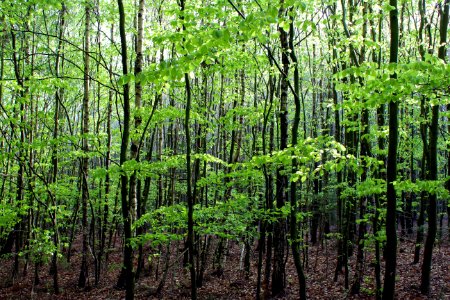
(190, 198)
(84, 275)
(295, 239)
(365, 153)
(391, 224)
(268, 180)
(381, 173)
(279, 239)
(423, 27)
(134, 193)
(59, 95)
(126, 277)
(105, 220)
(135, 183)
(433, 163)
(17, 234)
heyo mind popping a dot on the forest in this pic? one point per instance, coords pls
(224, 149)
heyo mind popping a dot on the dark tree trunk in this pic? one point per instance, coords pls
(365, 153)
(433, 164)
(279, 234)
(295, 241)
(391, 224)
(380, 174)
(189, 195)
(126, 277)
(423, 27)
(84, 275)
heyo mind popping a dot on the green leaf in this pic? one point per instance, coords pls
(125, 79)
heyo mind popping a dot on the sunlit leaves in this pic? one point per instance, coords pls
(8, 218)
(125, 79)
(376, 86)
(436, 187)
(41, 247)
(165, 224)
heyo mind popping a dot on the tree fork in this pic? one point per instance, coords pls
(294, 203)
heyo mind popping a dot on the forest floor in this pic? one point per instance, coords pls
(232, 284)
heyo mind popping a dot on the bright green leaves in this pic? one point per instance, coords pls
(307, 153)
(222, 37)
(228, 219)
(165, 224)
(430, 186)
(125, 79)
(9, 216)
(376, 86)
(308, 25)
(41, 247)
(285, 25)
(371, 186)
(387, 8)
(258, 23)
(205, 39)
(208, 158)
(47, 4)
(272, 14)
(153, 168)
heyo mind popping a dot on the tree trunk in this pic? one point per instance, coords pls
(279, 234)
(84, 275)
(365, 153)
(391, 224)
(59, 95)
(295, 239)
(126, 277)
(433, 164)
(190, 198)
(424, 26)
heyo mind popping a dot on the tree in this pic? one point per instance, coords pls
(433, 164)
(59, 95)
(295, 243)
(279, 273)
(126, 278)
(190, 198)
(84, 275)
(256, 127)
(391, 221)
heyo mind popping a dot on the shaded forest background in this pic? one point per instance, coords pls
(224, 149)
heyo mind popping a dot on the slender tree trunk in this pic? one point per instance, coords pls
(84, 275)
(380, 173)
(135, 183)
(105, 223)
(17, 234)
(279, 273)
(433, 163)
(424, 26)
(59, 95)
(268, 179)
(365, 152)
(295, 239)
(391, 224)
(338, 138)
(126, 277)
(190, 198)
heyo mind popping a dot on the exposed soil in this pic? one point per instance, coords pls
(232, 283)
